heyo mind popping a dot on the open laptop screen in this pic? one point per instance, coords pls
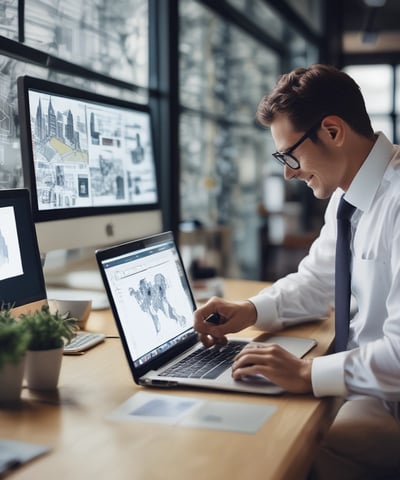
(152, 298)
(21, 274)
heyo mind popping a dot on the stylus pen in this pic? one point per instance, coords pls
(214, 318)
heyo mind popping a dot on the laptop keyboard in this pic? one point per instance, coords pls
(205, 362)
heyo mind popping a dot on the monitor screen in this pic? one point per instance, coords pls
(21, 276)
(89, 164)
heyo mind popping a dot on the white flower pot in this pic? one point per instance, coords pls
(43, 368)
(11, 376)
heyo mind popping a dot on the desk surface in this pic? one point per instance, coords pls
(85, 445)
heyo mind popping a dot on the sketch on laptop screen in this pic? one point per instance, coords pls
(153, 304)
(10, 257)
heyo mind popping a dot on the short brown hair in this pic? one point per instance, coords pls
(306, 95)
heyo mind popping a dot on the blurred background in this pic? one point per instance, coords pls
(204, 66)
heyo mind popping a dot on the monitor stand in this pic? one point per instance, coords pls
(70, 277)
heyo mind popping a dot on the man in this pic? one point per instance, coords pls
(323, 136)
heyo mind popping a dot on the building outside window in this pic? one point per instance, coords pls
(225, 157)
(93, 34)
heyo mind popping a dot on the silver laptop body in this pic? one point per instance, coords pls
(153, 306)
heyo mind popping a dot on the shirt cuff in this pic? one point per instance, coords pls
(327, 375)
(267, 314)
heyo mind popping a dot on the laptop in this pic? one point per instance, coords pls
(152, 303)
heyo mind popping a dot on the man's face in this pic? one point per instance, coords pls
(320, 166)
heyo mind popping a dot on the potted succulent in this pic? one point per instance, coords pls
(49, 332)
(14, 340)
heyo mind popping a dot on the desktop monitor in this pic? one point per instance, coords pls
(89, 163)
(22, 286)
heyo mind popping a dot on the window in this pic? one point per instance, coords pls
(225, 70)
(223, 75)
(376, 84)
(101, 36)
(95, 35)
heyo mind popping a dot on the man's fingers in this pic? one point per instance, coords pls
(209, 341)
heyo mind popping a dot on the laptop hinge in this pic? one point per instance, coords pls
(149, 382)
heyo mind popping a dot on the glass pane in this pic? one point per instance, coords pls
(310, 11)
(397, 106)
(263, 15)
(9, 19)
(376, 83)
(223, 167)
(383, 124)
(10, 153)
(222, 70)
(397, 132)
(268, 19)
(224, 73)
(301, 52)
(97, 34)
(139, 96)
(225, 157)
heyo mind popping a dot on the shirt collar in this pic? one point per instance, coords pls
(365, 184)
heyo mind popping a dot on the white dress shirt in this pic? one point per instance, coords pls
(371, 364)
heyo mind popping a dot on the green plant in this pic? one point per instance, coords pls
(49, 330)
(14, 338)
(6, 318)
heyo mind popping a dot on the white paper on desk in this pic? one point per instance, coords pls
(191, 412)
(230, 416)
(14, 453)
(153, 407)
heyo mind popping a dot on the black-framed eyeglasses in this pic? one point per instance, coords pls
(286, 157)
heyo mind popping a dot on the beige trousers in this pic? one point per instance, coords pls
(363, 443)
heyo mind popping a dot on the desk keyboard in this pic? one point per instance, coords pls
(82, 342)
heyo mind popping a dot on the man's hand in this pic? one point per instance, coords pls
(277, 364)
(233, 317)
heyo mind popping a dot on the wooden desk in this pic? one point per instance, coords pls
(85, 445)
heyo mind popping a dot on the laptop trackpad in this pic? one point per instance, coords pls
(257, 379)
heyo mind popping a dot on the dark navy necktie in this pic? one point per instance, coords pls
(342, 274)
